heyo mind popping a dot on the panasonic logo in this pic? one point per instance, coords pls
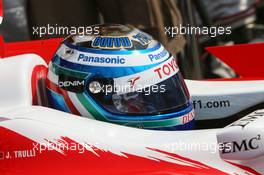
(108, 60)
(158, 56)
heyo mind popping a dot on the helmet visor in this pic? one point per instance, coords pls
(167, 96)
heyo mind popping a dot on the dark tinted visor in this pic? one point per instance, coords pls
(168, 96)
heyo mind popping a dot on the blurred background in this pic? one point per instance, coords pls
(246, 17)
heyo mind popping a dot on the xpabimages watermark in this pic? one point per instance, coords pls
(64, 30)
(191, 30)
(95, 87)
(195, 146)
(63, 146)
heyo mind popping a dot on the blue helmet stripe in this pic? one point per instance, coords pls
(110, 72)
(57, 101)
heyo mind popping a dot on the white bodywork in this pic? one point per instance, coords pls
(230, 97)
(41, 124)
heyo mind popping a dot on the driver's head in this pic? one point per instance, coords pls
(121, 75)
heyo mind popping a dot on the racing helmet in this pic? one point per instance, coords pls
(119, 75)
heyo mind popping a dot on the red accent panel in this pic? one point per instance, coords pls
(73, 162)
(39, 72)
(247, 59)
(43, 48)
(1, 8)
(2, 48)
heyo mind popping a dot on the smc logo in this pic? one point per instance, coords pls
(244, 145)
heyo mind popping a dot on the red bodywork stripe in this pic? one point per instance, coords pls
(51, 162)
(64, 93)
(44, 48)
(1, 8)
(39, 72)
